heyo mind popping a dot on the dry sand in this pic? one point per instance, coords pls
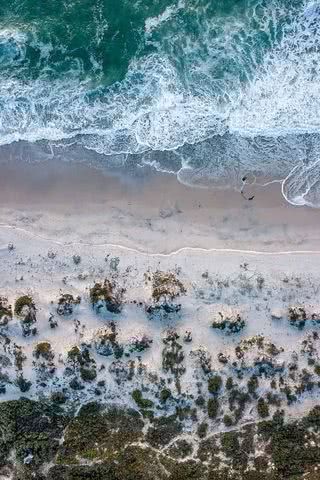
(153, 213)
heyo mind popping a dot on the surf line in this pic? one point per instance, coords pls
(169, 254)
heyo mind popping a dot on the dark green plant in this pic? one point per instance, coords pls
(262, 408)
(215, 384)
(213, 407)
(140, 401)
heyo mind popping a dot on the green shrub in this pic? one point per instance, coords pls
(43, 349)
(88, 374)
(213, 407)
(229, 383)
(230, 443)
(253, 384)
(140, 401)
(75, 384)
(21, 302)
(263, 408)
(202, 430)
(273, 384)
(23, 384)
(166, 287)
(105, 293)
(5, 311)
(313, 418)
(200, 401)
(74, 354)
(214, 384)
(58, 397)
(165, 394)
(227, 420)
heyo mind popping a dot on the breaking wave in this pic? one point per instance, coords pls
(206, 93)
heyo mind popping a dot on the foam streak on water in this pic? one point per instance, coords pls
(207, 92)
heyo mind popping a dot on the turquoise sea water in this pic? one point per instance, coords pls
(209, 90)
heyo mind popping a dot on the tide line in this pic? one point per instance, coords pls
(159, 254)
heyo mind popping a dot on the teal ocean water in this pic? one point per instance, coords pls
(207, 89)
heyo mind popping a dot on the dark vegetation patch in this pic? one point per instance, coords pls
(166, 289)
(105, 341)
(30, 427)
(108, 443)
(44, 350)
(96, 434)
(140, 401)
(106, 295)
(214, 384)
(173, 354)
(5, 311)
(25, 310)
(66, 304)
(163, 430)
(228, 323)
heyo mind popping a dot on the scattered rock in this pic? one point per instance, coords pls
(222, 358)
(277, 314)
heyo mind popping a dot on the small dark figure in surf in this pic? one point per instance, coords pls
(244, 180)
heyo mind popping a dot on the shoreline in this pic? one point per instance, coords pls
(154, 213)
(158, 254)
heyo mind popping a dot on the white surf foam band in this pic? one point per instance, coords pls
(154, 254)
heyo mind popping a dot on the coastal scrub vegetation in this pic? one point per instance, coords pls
(230, 322)
(25, 309)
(166, 288)
(66, 303)
(105, 295)
(5, 311)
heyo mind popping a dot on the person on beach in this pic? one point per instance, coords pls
(244, 180)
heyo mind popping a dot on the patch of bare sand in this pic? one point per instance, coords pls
(153, 213)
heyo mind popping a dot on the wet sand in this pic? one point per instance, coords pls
(150, 212)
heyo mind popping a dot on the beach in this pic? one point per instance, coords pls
(159, 240)
(150, 212)
(138, 292)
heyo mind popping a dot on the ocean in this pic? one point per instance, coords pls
(210, 91)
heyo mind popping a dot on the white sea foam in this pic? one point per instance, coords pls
(153, 22)
(12, 46)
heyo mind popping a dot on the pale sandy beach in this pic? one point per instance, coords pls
(160, 240)
(254, 265)
(152, 213)
(155, 224)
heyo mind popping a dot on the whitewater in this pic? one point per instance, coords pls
(207, 95)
